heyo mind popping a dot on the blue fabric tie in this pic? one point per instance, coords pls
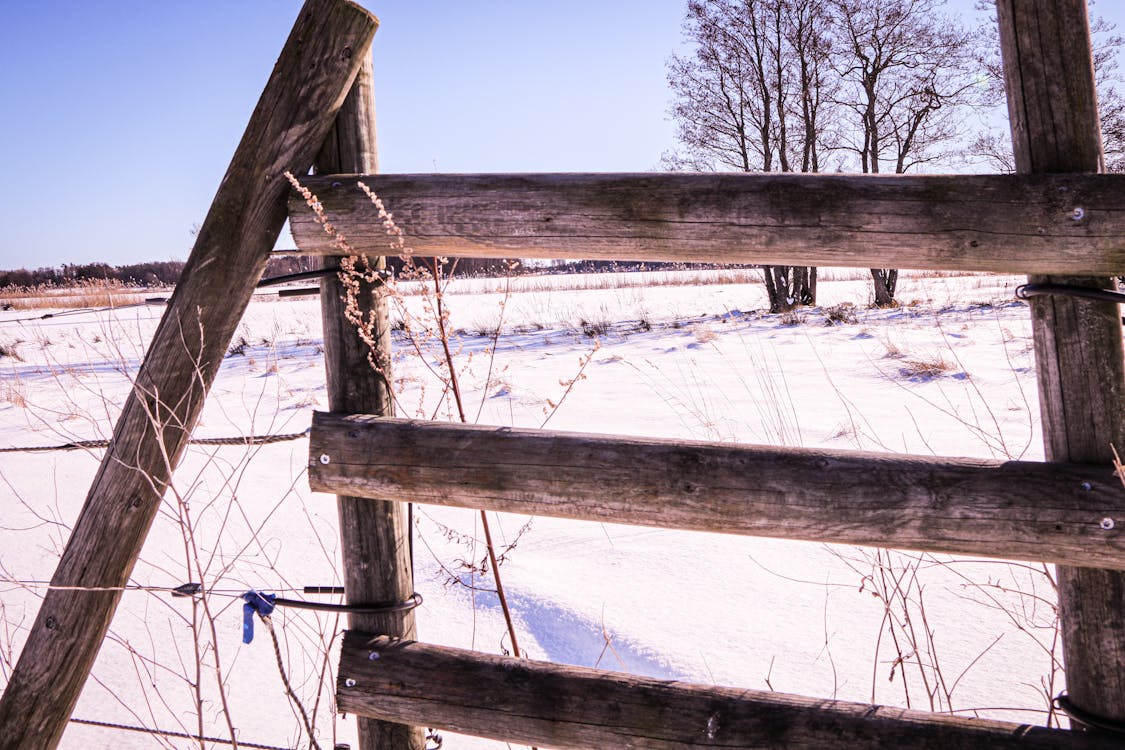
(256, 602)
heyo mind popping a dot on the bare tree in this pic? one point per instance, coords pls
(779, 85)
(752, 97)
(907, 76)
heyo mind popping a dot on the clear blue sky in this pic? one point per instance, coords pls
(120, 116)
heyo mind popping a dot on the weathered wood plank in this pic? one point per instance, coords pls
(556, 706)
(307, 86)
(374, 535)
(1011, 510)
(1052, 104)
(1002, 223)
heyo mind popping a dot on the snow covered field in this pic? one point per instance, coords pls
(951, 372)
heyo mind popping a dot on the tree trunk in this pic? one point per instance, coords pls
(885, 282)
(789, 286)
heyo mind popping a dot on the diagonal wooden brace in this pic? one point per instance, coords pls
(329, 41)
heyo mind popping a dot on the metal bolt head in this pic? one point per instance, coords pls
(1107, 524)
(1086, 486)
(1078, 214)
(325, 459)
(349, 682)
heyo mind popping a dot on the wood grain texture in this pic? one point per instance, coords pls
(307, 86)
(1078, 344)
(1002, 223)
(374, 534)
(556, 706)
(1012, 510)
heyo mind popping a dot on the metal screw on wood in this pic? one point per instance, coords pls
(349, 682)
(325, 459)
(712, 726)
(1078, 214)
(1108, 524)
(1086, 486)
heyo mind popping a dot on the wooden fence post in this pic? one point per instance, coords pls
(1078, 345)
(312, 76)
(374, 535)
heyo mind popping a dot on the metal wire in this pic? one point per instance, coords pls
(72, 446)
(1062, 702)
(182, 591)
(305, 275)
(84, 444)
(34, 584)
(305, 291)
(170, 733)
(288, 686)
(191, 590)
(82, 310)
(1026, 291)
(358, 609)
(301, 276)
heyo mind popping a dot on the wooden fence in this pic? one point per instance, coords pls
(1056, 218)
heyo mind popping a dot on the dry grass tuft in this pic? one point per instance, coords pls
(894, 351)
(10, 350)
(87, 293)
(791, 318)
(594, 328)
(843, 313)
(238, 348)
(703, 333)
(925, 367)
(12, 392)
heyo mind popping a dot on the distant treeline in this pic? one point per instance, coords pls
(155, 273)
(167, 273)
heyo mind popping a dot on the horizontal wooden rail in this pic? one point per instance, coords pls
(1062, 513)
(555, 706)
(1048, 224)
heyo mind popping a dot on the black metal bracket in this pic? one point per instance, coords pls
(1063, 703)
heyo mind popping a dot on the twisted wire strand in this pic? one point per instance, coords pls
(285, 681)
(170, 733)
(182, 590)
(243, 440)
